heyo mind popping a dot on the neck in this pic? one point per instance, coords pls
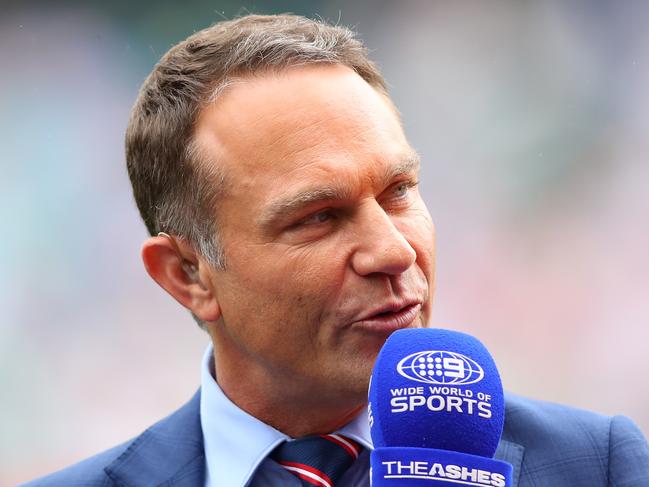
(296, 424)
(296, 413)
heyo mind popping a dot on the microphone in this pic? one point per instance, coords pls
(436, 412)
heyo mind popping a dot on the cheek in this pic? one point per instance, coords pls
(315, 277)
(418, 228)
(297, 282)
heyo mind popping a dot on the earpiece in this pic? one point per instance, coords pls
(189, 267)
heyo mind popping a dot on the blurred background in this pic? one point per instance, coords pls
(531, 119)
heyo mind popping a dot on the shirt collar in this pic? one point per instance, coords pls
(236, 443)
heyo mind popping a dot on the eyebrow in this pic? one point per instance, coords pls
(407, 165)
(293, 203)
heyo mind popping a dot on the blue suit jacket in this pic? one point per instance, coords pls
(548, 445)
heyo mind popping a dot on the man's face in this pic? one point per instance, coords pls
(329, 246)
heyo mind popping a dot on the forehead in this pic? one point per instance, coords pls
(300, 125)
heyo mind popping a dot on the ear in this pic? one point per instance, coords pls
(177, 269)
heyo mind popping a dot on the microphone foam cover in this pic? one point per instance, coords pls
(438, 389)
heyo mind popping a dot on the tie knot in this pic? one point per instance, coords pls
(318, 460)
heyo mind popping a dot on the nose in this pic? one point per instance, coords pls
(382, 247)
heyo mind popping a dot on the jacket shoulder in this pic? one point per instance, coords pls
(531, 422)
(575, 445)
(170, 449)
(87, 473)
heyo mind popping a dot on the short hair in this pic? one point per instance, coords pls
(175, 186)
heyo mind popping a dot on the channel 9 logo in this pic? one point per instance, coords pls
(441, 368)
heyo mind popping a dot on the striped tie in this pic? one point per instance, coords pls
(318, 460)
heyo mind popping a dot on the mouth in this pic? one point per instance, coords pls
(390, 318)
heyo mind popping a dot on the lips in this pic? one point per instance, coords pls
(390, 318)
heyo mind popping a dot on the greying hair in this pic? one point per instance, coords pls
(175, 185)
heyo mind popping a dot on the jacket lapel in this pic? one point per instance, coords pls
(170, 453)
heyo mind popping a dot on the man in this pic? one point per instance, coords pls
(280, 192)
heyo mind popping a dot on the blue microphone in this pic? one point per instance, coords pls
(436, 410)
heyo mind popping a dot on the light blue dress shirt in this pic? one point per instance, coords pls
(237, 444)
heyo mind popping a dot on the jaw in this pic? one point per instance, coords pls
(294, 405)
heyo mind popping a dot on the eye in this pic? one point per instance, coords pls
(316, 218)
(402, 189)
